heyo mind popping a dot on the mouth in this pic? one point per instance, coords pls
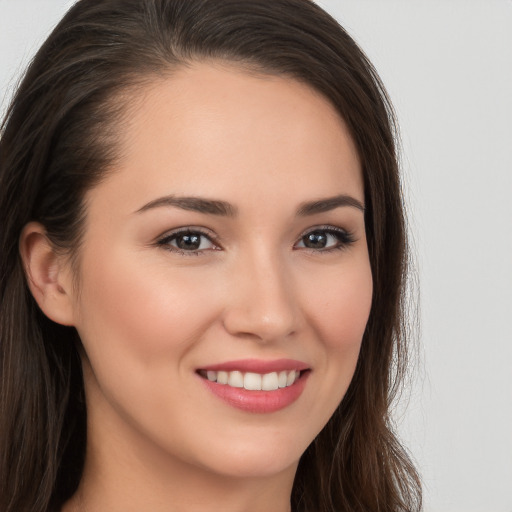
(252, 381)
(256, 386)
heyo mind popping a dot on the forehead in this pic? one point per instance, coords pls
(216, 130)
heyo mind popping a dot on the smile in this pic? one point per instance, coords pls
(253, 381)
(257, 386)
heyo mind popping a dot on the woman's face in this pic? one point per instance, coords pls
(227, 244)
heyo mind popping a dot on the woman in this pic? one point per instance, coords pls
(202, 269)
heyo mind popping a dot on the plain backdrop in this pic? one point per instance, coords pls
(447, 65)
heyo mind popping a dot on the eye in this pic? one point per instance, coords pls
(187, 241)
(325, 239)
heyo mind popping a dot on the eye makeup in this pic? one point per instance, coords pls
(188, 241)
(194, 241)
(325, 239)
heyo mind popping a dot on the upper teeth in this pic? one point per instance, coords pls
(254, 381)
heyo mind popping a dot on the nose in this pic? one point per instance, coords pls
(262, 303)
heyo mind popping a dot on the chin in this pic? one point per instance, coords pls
(252, 460)
(264, 466)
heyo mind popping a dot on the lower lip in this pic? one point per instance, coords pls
(258, 401)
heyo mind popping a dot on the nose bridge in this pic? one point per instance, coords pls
(263, 303)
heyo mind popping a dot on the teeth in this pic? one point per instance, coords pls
(254, 381)
(269, 382)
(236, 379)
(222, 377)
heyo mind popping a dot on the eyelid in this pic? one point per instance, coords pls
(345, 238)
(348, 236)
(164, 239)
(324, 227)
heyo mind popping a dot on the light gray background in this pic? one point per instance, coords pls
(448, 67)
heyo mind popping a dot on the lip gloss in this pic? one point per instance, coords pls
(257, 401)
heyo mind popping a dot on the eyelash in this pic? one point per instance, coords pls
(165, 241)
(344, 240)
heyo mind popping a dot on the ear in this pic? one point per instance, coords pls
(48, 274)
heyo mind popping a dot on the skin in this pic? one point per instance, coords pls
(149, 316)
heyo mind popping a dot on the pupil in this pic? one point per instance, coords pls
(189, 242)
(316, 240)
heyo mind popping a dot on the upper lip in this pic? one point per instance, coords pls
(258, 365)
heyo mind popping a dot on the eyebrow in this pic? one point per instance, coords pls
(195, 204)
(330, 203)
(225, 209)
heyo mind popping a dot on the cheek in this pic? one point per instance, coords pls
(339, 316)
(342, 308)
(338, 313)
(132, 309)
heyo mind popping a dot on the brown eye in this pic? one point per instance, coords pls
(315, 240)
(325, 239)
(193, 242)
(188, 241)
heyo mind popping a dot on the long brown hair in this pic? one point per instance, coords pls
(59, 139)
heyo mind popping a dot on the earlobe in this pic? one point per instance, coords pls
(47, 274)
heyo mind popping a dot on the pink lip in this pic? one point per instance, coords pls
(258, 401)
(258, 366)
